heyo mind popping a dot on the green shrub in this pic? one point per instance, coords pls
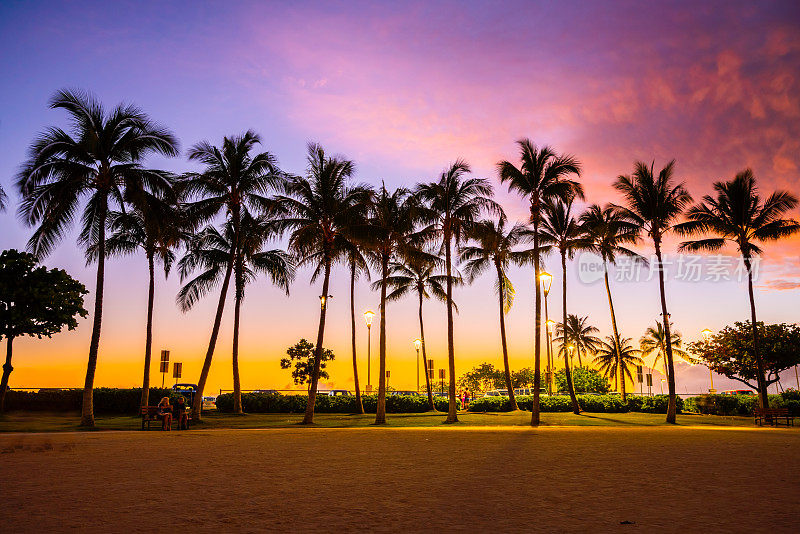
(588, 403)
(277, 403)
(106, 400)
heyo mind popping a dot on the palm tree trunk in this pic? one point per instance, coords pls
(507, 368)
(359, 404)
(148, 337)
(431, 404)
(618, 378)
(87, 409)
(7, 368)
(763, 399)
(452, 415)
(237, 386)
(197, 404)
(380, 412)
(537, 342)
(308, 418)
(576, 408)
(672, 405)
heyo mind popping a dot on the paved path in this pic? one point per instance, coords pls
(555, 479)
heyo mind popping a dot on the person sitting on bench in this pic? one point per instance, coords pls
(165, 414)
(180, 413)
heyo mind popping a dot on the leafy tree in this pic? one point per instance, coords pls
(494, 247)
(452, 204)
(609, 233)
(739, 215)
(654, 202)
(730, 351)
(523, 378)
(542, 176)
(34, 301)
(233, 180)
(301, 359)
(484, 377)
(585, 379)
(101, 163)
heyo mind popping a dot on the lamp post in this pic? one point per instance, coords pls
(551, 384)
(571, 349)
(546, 279)
(417, 345)
(323, 300)
(368, 315)
(706, 337)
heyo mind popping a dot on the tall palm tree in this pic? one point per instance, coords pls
(738, 214)
(418, 276)
(357, 265)
(391, 235)
(321, 208)
(452, 205)
(156, 227)
(494, 247)
(542, 175)
(654, 343)
(560, 230)
(580, 334)
(617, 358)
(233, 179)
(654, 202)
(102, 160)
(609, 232)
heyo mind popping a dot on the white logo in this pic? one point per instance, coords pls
(590, 268)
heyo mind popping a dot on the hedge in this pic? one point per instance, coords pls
(742, 404)
(106, 400)
(277, 403)
(588, 403)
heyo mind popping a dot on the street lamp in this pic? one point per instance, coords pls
(550, 324)
(417, 345)
(546, 280)
(707, 337)
(323, 300)
(368, 315)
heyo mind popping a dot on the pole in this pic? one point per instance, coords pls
(549, 348)
(796, 377)
(417, 370)
(369, 339)
(711, 378)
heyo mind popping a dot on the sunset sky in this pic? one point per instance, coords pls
(404, 90)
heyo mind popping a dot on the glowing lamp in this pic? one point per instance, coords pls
(368, 315)
(546, 279)
(417, 344)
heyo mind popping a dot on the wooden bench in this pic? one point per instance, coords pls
(150, 414)
(773, 416)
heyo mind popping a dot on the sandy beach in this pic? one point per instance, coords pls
(556, 479)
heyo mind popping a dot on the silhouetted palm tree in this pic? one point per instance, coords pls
(617, 364)
(738, 214)
(100, 161)
(654, 343)
(232, 181)
(543, 175)
(654, 202)
(321, 208)
(391, 236)
(580, 334)
(559, 230)
(418, 276)
(357, 265)
(608, 232)
(495, 246)
(452, 205)
(155, 226)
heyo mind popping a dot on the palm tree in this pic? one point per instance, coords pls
(357, 265)
(418, 276)
(391, 236)
(452, 205)
(560, 230)
(101, 160)
(654, 343)
(3, 199)
(494, 247)
(320, 210)
(617, 357)
(580, 334)
(739, 215)
(156, 227)
(233, 180)
(608, 232)
(653, 204)
(542, 175)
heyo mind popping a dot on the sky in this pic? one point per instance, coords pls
(404, 89)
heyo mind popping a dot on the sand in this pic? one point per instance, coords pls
(557, 479)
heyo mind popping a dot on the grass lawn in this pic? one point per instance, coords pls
(58, 422)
